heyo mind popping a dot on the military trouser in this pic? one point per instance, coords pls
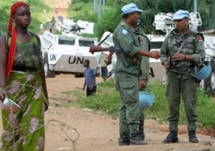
(188, 89)
(141, 126)
(129, 113)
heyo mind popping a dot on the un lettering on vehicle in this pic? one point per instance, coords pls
(76, 60)
(52, 57)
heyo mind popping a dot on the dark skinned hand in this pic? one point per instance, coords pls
(178, 57)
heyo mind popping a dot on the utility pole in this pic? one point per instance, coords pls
(99, 9)
(95, 5)
(103, 7)
(195, 5)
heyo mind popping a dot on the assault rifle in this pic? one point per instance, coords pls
(119, 52)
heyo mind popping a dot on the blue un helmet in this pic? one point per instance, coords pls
(204, 72)
(146, 99)
(181, 14)
(130, 8)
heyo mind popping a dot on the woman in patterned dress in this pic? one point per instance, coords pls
(22, 81)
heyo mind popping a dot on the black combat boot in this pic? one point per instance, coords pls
(137, 140)
(192, 137)
(172, 137)
(124, 140)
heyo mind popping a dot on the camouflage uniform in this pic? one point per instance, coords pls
(179, 76)
(145, 45)
(127, 79)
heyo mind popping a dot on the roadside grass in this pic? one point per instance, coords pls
(107, 99)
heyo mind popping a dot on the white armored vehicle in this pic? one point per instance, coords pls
(66, 53)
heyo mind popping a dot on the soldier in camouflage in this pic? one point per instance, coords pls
(128, 73)
(181, 52)
(143, 79)
(134, 44)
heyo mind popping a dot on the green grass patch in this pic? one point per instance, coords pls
(107, 100)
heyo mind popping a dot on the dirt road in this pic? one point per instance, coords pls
(59, 7)
(95, 131)
(100, 132)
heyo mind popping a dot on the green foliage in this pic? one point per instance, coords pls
(111, 17)
(108, 21)
(165, 6)
(151, 7)
(183, 4)
(82, 11)
(107, 100)
(207, 14)
(78, 1)
(147, 20)
(159, 110)
(205, 109)
(89, 35)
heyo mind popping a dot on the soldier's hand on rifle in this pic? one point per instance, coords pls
(155, 54)
(109, 58)
(166, 64)
(95, 49)
(178, 57)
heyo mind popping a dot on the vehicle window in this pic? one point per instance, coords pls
(156, 44)
(66, 41)
(86, 43)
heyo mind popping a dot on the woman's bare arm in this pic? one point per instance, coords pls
(3, 62)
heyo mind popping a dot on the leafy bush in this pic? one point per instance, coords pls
(150, 7)
(108, 21)
(82, 11)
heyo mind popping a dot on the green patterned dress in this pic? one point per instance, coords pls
(24, 129)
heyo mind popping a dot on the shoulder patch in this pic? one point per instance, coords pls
(200, 37)
(124, 31)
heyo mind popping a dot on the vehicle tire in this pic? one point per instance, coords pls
(47, 72)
